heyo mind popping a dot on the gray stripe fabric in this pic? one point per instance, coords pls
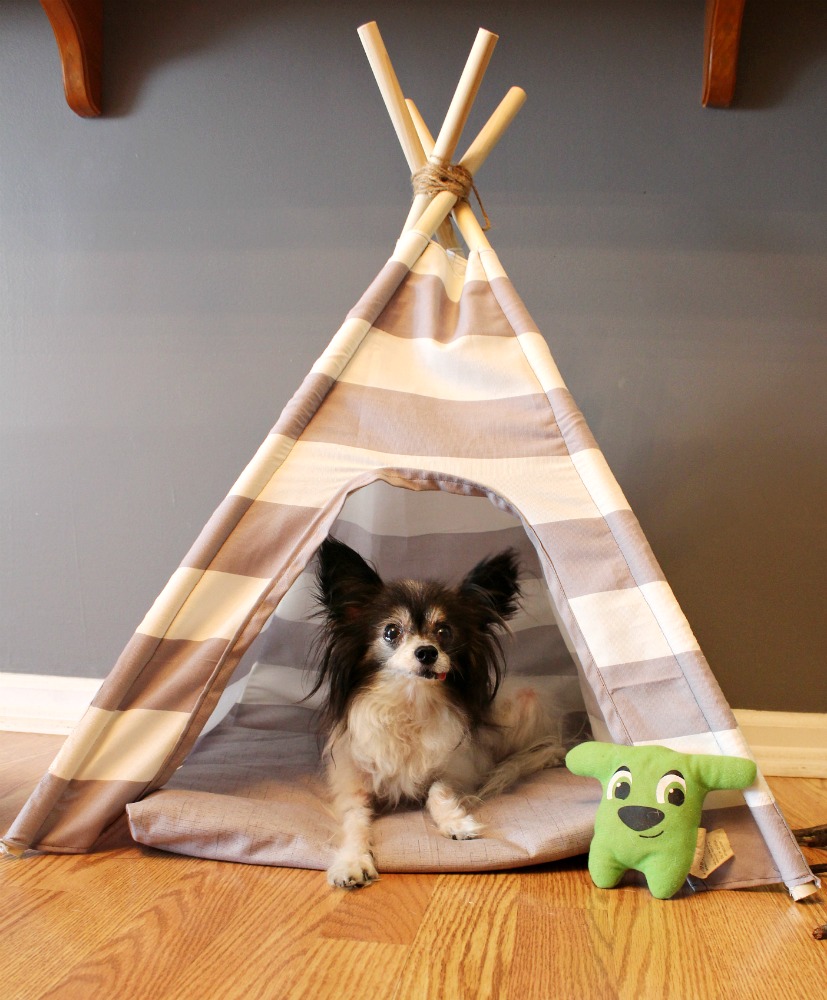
(358, 416)
(421, 309)
(437, 382)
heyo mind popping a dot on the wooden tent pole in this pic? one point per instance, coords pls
(493, 130)
(428, 214)
(436, 212)
(464, 96)
(474, 157)
(467, 224)
(422, 130)
(392, 94)
(458, 111)
(394, 99)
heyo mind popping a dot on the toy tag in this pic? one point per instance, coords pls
(711, 851)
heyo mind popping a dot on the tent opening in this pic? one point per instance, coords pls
(418, 534)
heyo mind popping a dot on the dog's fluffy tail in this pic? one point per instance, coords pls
(547, 752)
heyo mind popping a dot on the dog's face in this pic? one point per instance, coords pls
(423, 629)
(412, 630)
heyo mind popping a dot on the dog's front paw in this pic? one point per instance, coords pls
(352, 871)
(449, 814)
(462, 828)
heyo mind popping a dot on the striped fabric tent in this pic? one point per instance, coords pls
(433, 430)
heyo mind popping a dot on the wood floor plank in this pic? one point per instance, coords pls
(28, 753)
(757, 938)
(671, 965)
(563, 936)
(390, 913)
(466, 939)
(24, 758)
(265, 928)
(115, 910)
(339, 970)
(800, 801)
(134, 923)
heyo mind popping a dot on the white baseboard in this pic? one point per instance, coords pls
(791, 744)
(784, 743)
(34, 703)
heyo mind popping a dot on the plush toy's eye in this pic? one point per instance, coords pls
(391, 633)
(672, 789)
(620, 784)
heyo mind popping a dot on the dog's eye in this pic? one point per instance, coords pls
(391, 633)
(444, 633)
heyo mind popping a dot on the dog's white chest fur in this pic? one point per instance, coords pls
(402, 732)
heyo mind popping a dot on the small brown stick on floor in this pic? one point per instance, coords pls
(820, 933)
(812, 836)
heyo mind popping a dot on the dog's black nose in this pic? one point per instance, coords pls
(427, 655)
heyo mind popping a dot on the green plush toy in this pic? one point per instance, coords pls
(650, 810)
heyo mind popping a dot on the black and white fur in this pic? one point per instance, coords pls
(411, 672)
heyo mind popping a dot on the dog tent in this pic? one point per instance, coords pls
(433, 430)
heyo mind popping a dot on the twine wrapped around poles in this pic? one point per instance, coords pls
(432, 178)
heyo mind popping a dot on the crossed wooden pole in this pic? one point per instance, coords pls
(430, 213)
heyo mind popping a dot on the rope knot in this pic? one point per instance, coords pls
(432, 178)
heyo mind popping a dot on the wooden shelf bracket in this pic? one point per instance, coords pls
(78, 28)
(722, 36)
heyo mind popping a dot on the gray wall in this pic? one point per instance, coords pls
(169, 272)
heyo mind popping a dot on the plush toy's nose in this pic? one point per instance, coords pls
(640, 818)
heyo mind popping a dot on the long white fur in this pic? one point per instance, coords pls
(406, 740)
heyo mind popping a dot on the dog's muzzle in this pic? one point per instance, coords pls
(427, 656)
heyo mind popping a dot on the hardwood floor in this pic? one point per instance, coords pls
(136, 923)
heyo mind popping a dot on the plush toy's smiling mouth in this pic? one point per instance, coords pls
(651, 836)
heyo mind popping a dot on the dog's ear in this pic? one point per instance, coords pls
(344, 581)
(494, 582)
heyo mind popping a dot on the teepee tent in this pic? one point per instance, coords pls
(433, 430)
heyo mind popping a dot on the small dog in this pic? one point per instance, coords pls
(411, 671)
